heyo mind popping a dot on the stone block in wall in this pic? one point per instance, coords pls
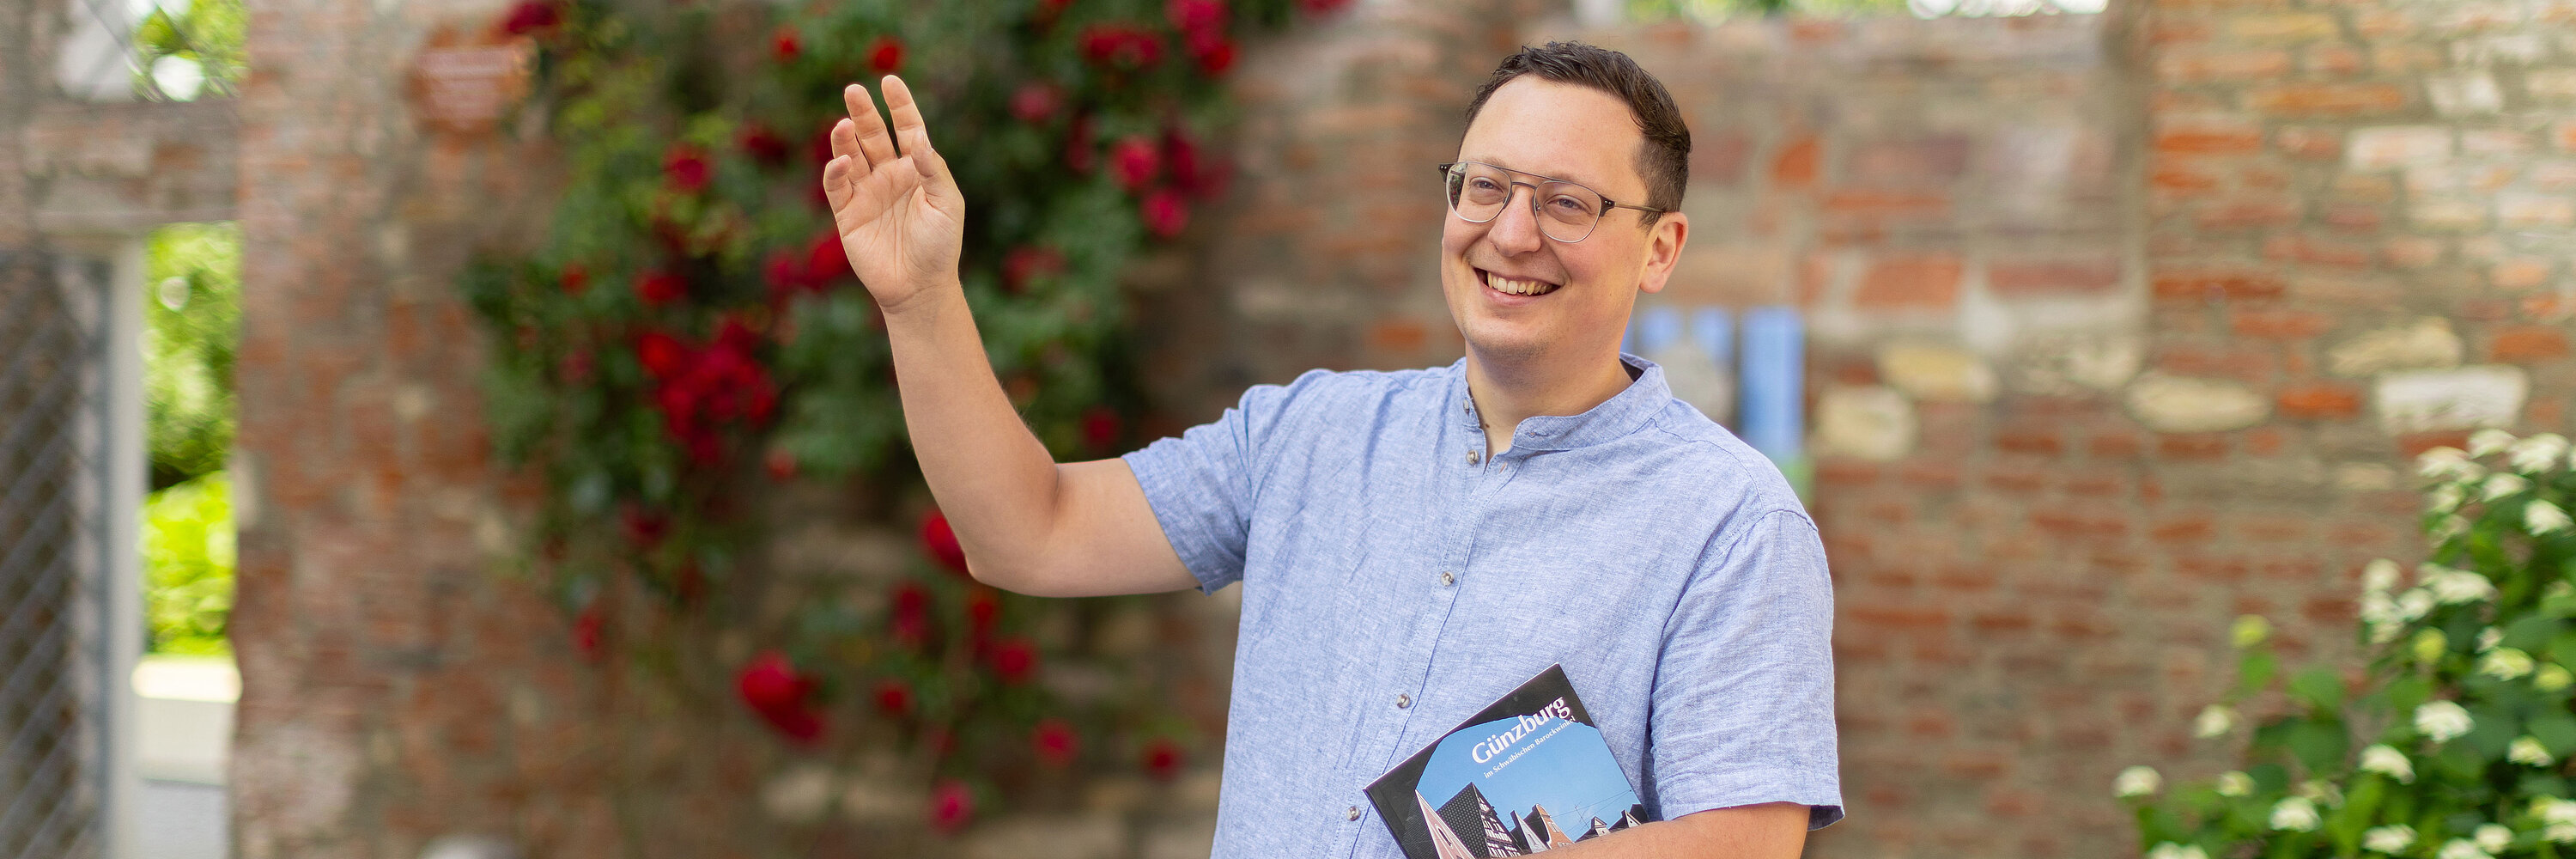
(2185, 404)
(2424, 343)
(1872, 422)
(1061, 836)
(2482, 395)
(1936, 372)
(2397, 146)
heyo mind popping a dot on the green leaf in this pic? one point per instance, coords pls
(2254, 671)
(2555, 730)
(2318, 743)
(2409, 692)
(2320, 688)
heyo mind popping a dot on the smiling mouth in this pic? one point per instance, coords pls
(1511, 286)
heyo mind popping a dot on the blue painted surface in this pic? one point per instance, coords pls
(1774, 379)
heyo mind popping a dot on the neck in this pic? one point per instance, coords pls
(1508, 392)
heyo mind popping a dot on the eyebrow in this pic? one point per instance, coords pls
(1596, 187)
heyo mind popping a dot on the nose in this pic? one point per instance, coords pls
(1514, 230)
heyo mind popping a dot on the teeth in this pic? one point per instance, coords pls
(1509, 286)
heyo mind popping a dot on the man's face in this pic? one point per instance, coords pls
(1576, 134)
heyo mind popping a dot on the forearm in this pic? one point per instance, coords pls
(994, 480)
(1773, 831)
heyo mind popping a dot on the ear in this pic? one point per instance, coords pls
(1663, 251)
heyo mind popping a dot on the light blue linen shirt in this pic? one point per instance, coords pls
(1397, 579)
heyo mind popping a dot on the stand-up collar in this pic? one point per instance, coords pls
(1614, 418)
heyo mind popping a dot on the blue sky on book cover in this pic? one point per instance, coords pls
(1562, 764)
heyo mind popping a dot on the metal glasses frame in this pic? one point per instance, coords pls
(1607, 204)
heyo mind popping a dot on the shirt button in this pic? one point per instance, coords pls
(1402, 701)
(1473, 456)
(1446, 579)
(1352, 814)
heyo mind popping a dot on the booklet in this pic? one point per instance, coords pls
(1528, 774)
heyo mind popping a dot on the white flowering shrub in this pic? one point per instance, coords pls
(2456, 743)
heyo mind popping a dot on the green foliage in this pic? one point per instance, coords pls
(192, 324)
(688, 329)
(188, 566)
(209, 33)
(2456, 743)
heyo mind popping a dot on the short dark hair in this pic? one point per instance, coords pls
(1664, 159)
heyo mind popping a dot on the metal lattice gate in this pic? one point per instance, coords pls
(56, 556)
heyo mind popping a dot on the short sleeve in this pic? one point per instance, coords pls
(1743, 710)
(1201, 485)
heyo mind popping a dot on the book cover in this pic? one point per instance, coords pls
(1526, 775)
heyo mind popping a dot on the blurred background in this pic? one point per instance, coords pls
(324, 529)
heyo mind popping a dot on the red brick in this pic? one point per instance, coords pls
(2278, 324)
(1880, 203)
(2210, 139)
(1842, 472)
(2234, 284)
(2519, 274)
(2036, 442)
(1720, 159)
(2201, 66)
(2020, 277)
(1398, 335)
(1940, 159)
(2320, 401)
(2328, 99)
(2116, 445)
(2529, 343)
(2192, 446)
(2246, 214)
(1898, 617)
(1796, 165)
(1929, 282)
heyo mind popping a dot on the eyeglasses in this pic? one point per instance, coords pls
(1565, 211)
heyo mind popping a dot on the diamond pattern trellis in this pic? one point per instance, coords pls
(53, 549)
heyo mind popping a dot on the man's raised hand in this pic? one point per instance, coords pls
(901, 219)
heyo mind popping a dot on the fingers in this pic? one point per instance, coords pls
(909, 130)
(875, 146)
(836, 175)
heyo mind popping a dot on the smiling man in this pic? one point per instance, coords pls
(1412, 545)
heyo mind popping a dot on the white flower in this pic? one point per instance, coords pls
(2554, 811)
(2388, 761)
(2170, 850)
(2137, 781)
(2377, 608)
(2542, 517)
(2214, 720)
(2492, 838)
(2537, 454)
(2462, 848)
(2445, 498)
(2414, 604)
(2388, 839)
(2378, 576)
(2320, 791)
(2489, 638)
(2559, 832)
(2430, 644)
(2446, 529)
(2235, 783)
(2442, 721)
(2249, 630)
(2551, 678)
(2452, 587)
(2502, 485)
(2528, 750)
(2447, 463)
(2489, 440)
(2505, 663)
(2294, 814)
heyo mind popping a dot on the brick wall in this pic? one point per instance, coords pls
(2122, 325)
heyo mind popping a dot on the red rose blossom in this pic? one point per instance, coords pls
(885, 55)
(763, 145)
(658, 288)
(1035, 103)
(1215, 55)
(781, 464)
(1165, 213)
(1054, 742)
(982, 610)
(686, 168)
(826, 260)
(940, 543)
(644, 528)
(1162, 759)
(1121, 45)
(1183, 154)
(786, 44)
(1014, 659)
(1134, 162)
(576, 366)
(909, 616)
(586, 631)
(893, 697)
(1027, 263)
(951, 806)
(1195, 16)
(660, 353)
(1321, 7)
(1077, 146)
(774, 689)
(530, 17)
(1101, 427)
(575, 279)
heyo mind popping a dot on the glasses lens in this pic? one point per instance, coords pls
(1567, 210)
(1478, 191)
